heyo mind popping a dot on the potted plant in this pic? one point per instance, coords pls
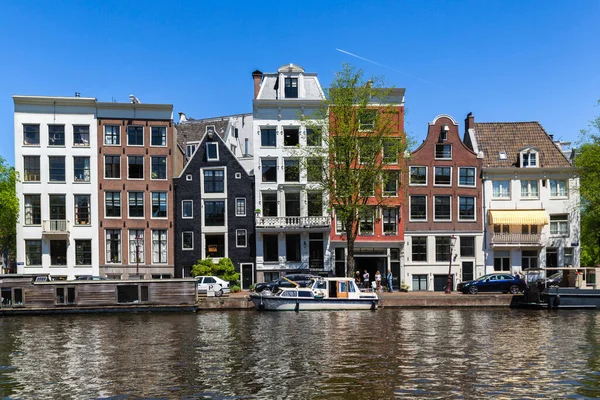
(257, 211)
(403, 287)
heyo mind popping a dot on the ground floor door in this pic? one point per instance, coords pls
(467, 271)
(247, 275)
(440, 281)
(372, 265)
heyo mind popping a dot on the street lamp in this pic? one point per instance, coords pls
(139, 241)
(449, 281)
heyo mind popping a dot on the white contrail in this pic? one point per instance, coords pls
(388, 67)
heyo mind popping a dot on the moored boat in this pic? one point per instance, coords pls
(570, 290)
(323, 294)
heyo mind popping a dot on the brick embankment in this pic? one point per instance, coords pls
(240, 301)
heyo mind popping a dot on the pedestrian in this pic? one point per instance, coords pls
(378, 280)
(390, 277)
(357, 279)
(366, 280)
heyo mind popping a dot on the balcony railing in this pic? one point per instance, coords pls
(293, 222)
(56, 226)
(517, 238)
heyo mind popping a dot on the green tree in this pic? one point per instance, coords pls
(354, 149)
(9, 209)
(224, 269)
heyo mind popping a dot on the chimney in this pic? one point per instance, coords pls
(257, 77)
(182, 117)
(469, 122)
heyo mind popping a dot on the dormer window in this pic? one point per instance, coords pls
(502, 155)
(443, 136)
(443, 152)
(291, 88)
(212, 151)
(529, 159)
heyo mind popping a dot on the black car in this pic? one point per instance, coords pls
(505, 283)
(304, 280)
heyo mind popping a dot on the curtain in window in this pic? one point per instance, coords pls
(159, 246)
(133, 235)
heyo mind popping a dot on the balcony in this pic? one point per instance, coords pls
(56, 227)
(293, 222)
(516, 239)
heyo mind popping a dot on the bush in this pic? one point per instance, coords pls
(236, 289)
(224, 269)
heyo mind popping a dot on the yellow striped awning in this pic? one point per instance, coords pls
(518, 217)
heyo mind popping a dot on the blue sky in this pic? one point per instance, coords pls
(502, 60)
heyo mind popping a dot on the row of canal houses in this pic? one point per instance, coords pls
(120, 190)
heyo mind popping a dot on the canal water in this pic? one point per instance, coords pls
(390, 353)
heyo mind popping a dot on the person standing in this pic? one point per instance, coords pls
(357, 279)
(390, 277)
(366, 280)
(378, 280)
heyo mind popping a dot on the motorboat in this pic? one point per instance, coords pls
(565, 287)
(323, 294)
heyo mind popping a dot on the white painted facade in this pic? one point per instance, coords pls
(78, 230)
(275, 113)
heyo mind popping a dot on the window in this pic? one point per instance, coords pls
(366, 222)
(58, 252)
(368, 151)
(214, 213)
(187, 209)
(33, 252)
(366, 120)
(187, 240)
(112, 167)
(292, 247)
(214, 181)
(529, 229)
(159, 246)
(501, 189)
(159, 168)
(390, 221)
(158, 136)
(135, 135)
(443, 151)
(269, 203)
(81, 135)
(390, 183)
(316, 253)
(189, 177)
(529, 259)
(214, 246)
(58, 209)
(240, 207)
(390, 151)
(268, 137)
(292, 171)
(559, 224)
(83, 209)
(113, 246)
(315, 204)
(366, 185)
(132, 293)
(466, 208)
(112, 135)
(313, 137)
(467, 246)
(31, 168)
(558, 188)
(339, 224)
(240, 238)
(529, 159)
(83, 252)
(56, 135)
(442, 208)
(33, 209)
(501, 261)
(291, 136)
(81, 169)
(529, 189)
(442, 248)
(269, 170)
(292, 204)
(159, 204)
(212, 151)
(136, 246)
(419, 282)
(65, 295)
(190, 149)
(418, 175)
(291, 88)
(419, 248)
(314, 170)
(57, 169)
(136, 204)
(551, 257)
(443, 176)
(418, 208)
(112, 204)
(501, 228)
(31, 135)
(135, 166)
(466, 176)
(568, 259)
(238, 175)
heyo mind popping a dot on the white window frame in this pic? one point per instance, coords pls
(166, 168)
(426, 175)
(558, 195)
(442, 220)
(166, 200)
(104, 166)
(120, 204)
(215, 195)
(474, 219)
(557, 223)
(143, 167)
(143, 133)
(410, 217)
(529, 196)
(434, 175)
(236, 207)
(183, 240)
(208, 158)
(245, 238)
(529, 153)
(129, 193)
(507, 197)
(474, 177)
(383, 181)
(166, 136)
(106, 260)
(131, 257)
(183, 209)
(152, 246)
(435, 151)
(104, 138)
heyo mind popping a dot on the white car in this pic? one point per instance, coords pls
(212, 283)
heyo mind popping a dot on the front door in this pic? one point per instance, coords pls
(467, 271)
(247, 276)
(342, 289)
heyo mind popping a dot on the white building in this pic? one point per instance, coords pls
(530, 197)
(292, 223)
(55, 155)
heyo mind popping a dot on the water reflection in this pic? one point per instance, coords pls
(352, 355)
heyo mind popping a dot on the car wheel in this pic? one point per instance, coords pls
(219, 293)
(473, 290)
(514, 289)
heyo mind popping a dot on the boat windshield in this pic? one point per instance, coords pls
(289, 293)
(320, 285)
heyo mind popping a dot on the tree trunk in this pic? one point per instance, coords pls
(351, 231)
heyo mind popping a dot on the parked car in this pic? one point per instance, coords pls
(551, 281)
(213, 283)
(505, 283)
(90, 278)
(304, 280)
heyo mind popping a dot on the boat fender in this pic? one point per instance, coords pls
(373, 305)
(556, 301)
(261, 306)
(297, 306)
